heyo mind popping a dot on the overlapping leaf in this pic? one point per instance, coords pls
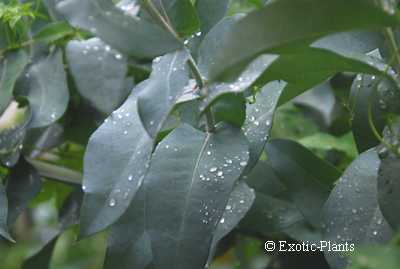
(11, 67)
(129, 34)
(295, 24)
(99, 73)
(4, 214)
(351, 213)
(185, 205)
(211, 12)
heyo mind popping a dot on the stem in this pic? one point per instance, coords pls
(152, 9)
(388, 32)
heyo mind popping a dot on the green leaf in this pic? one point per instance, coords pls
(288, 25)
(211, 12)
(4, 214)
(230, 108)
(99, 73)
(128, 243)
(351, 213)
(259, 118)
(129, 34)
(45, 87)
(23, 184)
(53, 31)
(13, 126)
(167, 83)
(307, 178)
(366, 111)
(115, 164)
(239, 203)
(182, 15)
(186, 198)
(11, 67)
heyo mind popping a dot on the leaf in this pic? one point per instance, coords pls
(128, 243)
(11, 67)
(239, 203)
(295, 24)
(167, 83)
(259, 118)
(4, 214)
(186, 198)
(376, 257)
(182, 14)
(45, 87)
(53, 31)
(99, 73)
(230, 108)
(351, 213)
(307, 178)
(363, 105)
(115, 164)
(42, 257)
(23, 184)
(13, 125)
(211, 12)
(129, 34)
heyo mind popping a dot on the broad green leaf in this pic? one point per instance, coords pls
(99, 73)
(4, 214)
(23, 184)
(376, 257)
(230, 108)
(40, 140)
(259, 118)
(366, 111)
(351, 213)
(239, 203)
(186, 198)
(307, 178)
(11, 67)
(129, 34)
(53, 32)
(45, 87)
(286, 25)
(128, 243)
(115, 163)
(388, 184)
(388, 189)
(211, 12)
(167, 83)
(13, 126)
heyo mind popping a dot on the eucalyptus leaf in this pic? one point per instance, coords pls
(295, 24)
(185, 205)
(45, 87)
(53, 32)
(120, 144)
(351, 213)
(11, 67)
(4, 232)
(99, 73)
(129, 34)
(211, 12)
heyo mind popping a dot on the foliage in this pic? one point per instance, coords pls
(185, 134)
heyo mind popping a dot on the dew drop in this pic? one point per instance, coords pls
(112, 202)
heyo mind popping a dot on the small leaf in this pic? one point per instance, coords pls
(259, 119)
(99, 73)
(351, 213)
(129, 34)
(186, 203)
(11, 67)
(45, 87)
(53, 31)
